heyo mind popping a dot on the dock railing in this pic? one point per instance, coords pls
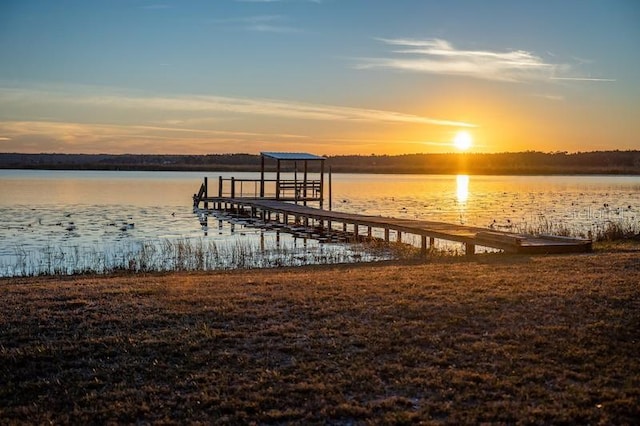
(283, 189)
(238, 188)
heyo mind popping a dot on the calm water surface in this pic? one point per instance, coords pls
(104, 210)
(580, 203)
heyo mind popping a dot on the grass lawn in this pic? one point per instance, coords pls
(496, 338)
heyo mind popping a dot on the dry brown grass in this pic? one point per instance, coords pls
(505, 339)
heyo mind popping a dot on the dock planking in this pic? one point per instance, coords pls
(468, 235)
(286, 198)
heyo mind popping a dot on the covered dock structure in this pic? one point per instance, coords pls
(303, 183)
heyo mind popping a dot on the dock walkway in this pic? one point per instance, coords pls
(470, 236)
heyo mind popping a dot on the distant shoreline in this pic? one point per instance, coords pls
(362, 172)
(509, 164)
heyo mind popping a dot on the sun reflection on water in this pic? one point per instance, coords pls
(462, 188)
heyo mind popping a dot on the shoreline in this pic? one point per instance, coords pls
(510, 338)
(473, 163)
(372, 171)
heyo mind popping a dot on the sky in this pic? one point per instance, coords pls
(330, 77)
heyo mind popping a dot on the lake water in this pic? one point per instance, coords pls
(53, 214)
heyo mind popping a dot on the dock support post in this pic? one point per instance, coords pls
(369, 231)
(278, 180)
(304, 186)
(296, 195)
(205, 225)
(423, 246)
(432, 242)
(262, 176)
(355, 230)
(399, 236)
(206, 192)
(233, 187)
(469, 249)
(330, 194)
(386, 235)
(218, 205)
(321, 184)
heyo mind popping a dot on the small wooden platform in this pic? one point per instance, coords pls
(469, 236)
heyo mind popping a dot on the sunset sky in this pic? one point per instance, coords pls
(323, 76)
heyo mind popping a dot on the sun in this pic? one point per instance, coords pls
(463, 140)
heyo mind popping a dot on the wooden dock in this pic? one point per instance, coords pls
(358, 225)
(286, 200)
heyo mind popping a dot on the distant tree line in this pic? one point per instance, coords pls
(220, 162)
(530, 162)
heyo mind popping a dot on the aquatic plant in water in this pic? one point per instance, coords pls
(185, 255)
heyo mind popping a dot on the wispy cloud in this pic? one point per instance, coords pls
(89, 119)
(261, 23)
(548, 96)
(584, 79)
(217, 104)
(437, 56)
(73, 131)
(53, 136)
(295, 110)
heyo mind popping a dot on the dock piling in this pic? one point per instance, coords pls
(206, 192)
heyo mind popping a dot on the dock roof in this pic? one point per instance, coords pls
(293, 156)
